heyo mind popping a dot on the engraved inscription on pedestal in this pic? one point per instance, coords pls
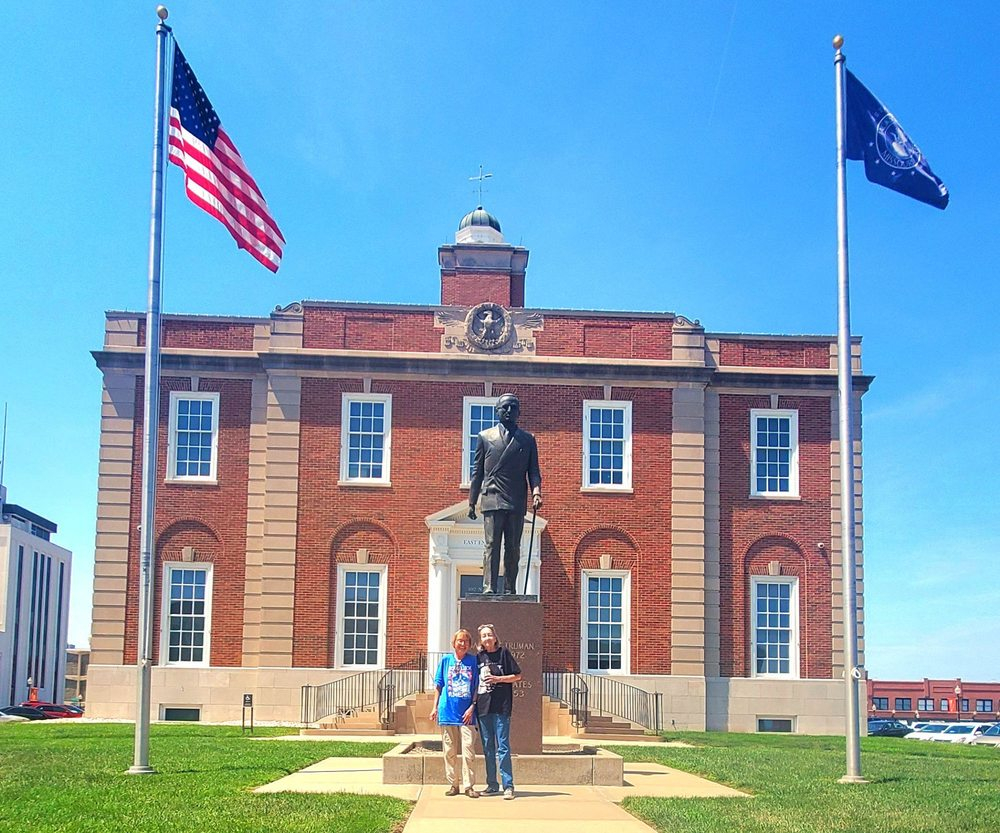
(518, 621)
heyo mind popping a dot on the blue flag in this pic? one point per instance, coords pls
(891, 158)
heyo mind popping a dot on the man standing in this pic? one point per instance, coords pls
(506, 463)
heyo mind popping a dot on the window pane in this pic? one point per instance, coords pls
(604, 614)
(187, 591)
(361, 621)
(772, 627)
(772, 454)
(365, 440)
(193, 438)
(605, 463)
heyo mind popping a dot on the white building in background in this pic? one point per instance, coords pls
(34, 606)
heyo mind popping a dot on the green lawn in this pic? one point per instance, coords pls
(70, 777)
(916, 786)
(66, 777)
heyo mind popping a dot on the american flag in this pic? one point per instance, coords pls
(215, 177)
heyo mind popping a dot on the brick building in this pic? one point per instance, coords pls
(313, 478)
(925, 699)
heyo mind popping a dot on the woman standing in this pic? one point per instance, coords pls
(456, 681)
(498, 671)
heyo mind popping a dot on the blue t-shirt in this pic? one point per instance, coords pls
(457, 680)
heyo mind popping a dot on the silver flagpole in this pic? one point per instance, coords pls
(151, 417)
(845, 395)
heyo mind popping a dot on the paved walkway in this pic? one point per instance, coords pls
(537, 809)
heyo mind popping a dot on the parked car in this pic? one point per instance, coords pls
(961, 732)
(990, 737)
(888, 729)
(26, 711)
(928, 731)
(12, 718)
(55, 709)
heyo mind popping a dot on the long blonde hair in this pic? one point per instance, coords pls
(480, 629)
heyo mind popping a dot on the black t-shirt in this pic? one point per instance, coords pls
(496, 698)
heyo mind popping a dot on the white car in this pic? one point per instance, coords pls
(964, 732)
(927, 731)
(12, 718)
(990, 737)
(960, 732)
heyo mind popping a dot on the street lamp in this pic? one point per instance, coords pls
(958, 700)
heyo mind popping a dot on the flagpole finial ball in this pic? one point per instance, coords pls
(162, 13)
(838, 41)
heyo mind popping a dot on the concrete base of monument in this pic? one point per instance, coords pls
(421, 762)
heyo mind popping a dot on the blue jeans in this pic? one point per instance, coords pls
(494, 730)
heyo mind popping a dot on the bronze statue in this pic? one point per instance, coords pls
(506, 463)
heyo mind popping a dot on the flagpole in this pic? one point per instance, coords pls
(151, 417)
(845, 396)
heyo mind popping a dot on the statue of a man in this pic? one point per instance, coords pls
(506, 463)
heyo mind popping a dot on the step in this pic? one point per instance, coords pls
(345, 731)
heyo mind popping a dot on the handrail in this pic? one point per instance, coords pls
(367, 690)
(587, 694)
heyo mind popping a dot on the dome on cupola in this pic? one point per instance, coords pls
(479, 226)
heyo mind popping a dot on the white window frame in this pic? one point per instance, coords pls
(342, 570)
(626, 622)
(467, 403)
(793, 458)
(345, 433)
(172, 476)
(168, 568)
(793, 621)
(626, 484)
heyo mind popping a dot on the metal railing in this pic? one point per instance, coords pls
(342, 697)
(587, 694)
(379, 689)
(399, 683)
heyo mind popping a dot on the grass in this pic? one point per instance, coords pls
(916, 787)
(67, 777)
(70, 777)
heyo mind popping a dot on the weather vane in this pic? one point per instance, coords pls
(481, 177)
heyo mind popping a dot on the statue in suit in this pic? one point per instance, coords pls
(506, 463)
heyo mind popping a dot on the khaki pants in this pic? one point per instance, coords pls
(453, 739)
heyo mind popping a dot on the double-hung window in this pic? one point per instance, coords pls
(925, 704)
(903, 704)
(605, 622)
(361, 615)
(774, 608)
(366, 438)
(478, 414)
(984, 706)
(187, 614)
(193, 437)
(774, 457)
(880, 703)
(607, 445)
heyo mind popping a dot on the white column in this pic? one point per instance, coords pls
(438, 581)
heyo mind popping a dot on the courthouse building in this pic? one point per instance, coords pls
(313, 483)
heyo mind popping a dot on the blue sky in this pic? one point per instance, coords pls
(662, 156)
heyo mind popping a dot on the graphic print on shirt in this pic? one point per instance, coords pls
(494, 669)
(459, 683)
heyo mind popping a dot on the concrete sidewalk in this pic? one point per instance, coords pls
(537, 809)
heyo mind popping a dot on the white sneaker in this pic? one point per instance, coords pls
(508, 794)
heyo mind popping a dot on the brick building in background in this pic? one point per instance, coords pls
(313, 483)
(925, 699)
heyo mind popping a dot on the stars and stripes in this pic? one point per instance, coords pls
(215, 177)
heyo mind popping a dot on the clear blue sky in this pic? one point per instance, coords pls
(664, 156)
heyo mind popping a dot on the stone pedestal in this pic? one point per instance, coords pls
(518, 622)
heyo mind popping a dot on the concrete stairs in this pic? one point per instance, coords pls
(412, 717)
(603, 727)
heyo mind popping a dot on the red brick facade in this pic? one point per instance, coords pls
(562, 359)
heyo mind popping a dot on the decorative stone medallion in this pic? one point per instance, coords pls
(488, 326)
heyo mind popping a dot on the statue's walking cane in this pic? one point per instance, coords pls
(531, 543)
